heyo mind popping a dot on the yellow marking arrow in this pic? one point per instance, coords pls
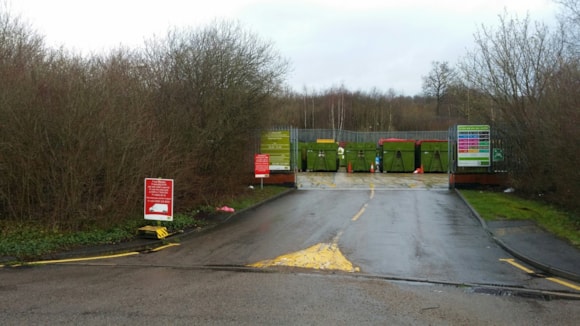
(323, 256)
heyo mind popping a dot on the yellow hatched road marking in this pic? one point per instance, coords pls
(324, 256)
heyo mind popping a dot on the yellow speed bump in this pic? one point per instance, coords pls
(322, 256)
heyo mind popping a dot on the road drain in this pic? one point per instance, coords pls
(511, 293)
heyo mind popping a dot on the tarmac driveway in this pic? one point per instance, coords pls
(377, 181)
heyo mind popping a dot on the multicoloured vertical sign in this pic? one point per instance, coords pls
(473, 146)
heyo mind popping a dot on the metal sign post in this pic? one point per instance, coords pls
(157, 205)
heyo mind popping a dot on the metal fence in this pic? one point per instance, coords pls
(500, 155)
(311, 135)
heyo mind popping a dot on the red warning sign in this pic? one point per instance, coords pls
(262, 165)
(158, 199)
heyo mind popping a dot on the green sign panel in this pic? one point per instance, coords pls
(277, 144)
(473, 146)
(497, 154)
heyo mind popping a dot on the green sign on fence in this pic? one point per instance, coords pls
(497, 154)
(277, 144)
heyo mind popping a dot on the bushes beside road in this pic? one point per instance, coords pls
(24, 240)
(78, 135)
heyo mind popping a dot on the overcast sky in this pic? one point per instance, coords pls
(361, 44)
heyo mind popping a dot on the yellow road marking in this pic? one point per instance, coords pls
(327, 184)
(529, 271)
(517, 265)
(335, 239)
(323, 256)
(165, 247)
(71, 260)
(360, 213)
(362, 210)
(564, 283)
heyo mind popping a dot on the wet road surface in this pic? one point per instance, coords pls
(382, 252)
(401, 226)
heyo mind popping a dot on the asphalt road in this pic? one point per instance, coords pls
(388, 251)
(417, 234)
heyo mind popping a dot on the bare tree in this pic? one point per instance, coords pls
(437, 82)
(513, 64)
(336, 110)
(522, 69)
(570, 19)
(214, 89)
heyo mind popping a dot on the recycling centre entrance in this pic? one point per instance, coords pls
(463, 155)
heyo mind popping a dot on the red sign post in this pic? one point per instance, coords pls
(158, 199)
(262, 167)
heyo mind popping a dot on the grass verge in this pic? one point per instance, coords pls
(24, 241)
(494, 206)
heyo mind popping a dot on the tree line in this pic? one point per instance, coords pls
(522, 77)
(78, 134)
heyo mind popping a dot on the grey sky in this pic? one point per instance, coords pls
(362, 44)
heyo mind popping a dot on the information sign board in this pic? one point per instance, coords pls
(158, 203)
(277, 145)
(497, 154)
(262, 165)
(473, 146)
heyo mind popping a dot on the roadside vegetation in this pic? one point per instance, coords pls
(23, 241)
(497, 206)
(78, 134)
